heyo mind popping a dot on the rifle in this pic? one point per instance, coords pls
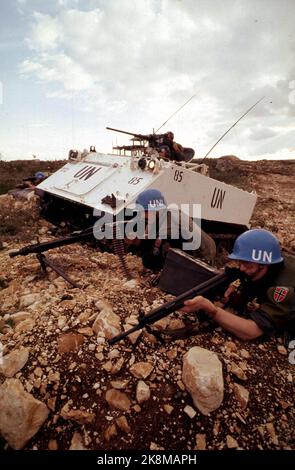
(84, 235)
(208, 287)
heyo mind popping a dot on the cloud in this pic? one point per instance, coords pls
(261, 133)
(67, 3)
(46, 33)
(142, 60)
(58, 68)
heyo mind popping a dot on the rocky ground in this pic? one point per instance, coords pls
(64, 387)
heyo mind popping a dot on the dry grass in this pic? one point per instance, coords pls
(13, 173)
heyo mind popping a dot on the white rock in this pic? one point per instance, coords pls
(242, 395)
(14, 362)
(168, 409)
(25, 325)
(131, 284)
(203, 379)
(19, 316)
(21, 415)
(141, 370)
(77, 442)
(282, 350)
(108, 323)
(62, 321)
(123, 424)
(231, 442)
(143, 392)
(103, 305)
(155, 446)
(114, 353)
(237, 371)
(119, 384)
(100, 339)
(118, 400)
(27, 300)
(190, 411)
(200, 441)
(80, 416)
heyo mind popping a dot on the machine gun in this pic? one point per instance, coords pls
(81, 236)
(210, 287)
(154, 140)
(158, 142)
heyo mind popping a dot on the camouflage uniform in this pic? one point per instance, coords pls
(269, 302)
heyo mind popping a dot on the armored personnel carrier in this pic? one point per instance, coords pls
(93, 183)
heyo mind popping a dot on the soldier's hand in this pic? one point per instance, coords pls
(199, 303)
(229, 291)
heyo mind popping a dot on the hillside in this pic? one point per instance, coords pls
(131, 396)
(12, 173)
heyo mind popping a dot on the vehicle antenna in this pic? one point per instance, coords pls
(175, 113)
(223, 135)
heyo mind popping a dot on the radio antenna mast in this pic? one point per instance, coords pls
(175, 112)
(223, 135)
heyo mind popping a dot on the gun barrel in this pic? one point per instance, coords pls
(122, 132)
(139, 136)
(86, 234)
(13, 254)
(38, 248)
(123, 335)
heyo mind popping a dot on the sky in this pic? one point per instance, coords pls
(69, 68)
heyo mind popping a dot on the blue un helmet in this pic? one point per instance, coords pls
(39, 175)
(257, 246)
(151, 200)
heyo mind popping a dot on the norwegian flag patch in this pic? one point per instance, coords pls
(280, 294)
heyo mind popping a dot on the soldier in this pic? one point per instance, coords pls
(264, 295)
(33, 181)
(175, 150)
(180, 230)
(25, 190)
(39, 177)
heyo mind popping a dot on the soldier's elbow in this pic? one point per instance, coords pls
(251, 334)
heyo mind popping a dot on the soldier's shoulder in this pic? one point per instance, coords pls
(286, 275)
(280, 294)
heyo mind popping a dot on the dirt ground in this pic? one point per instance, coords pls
(70, 368)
